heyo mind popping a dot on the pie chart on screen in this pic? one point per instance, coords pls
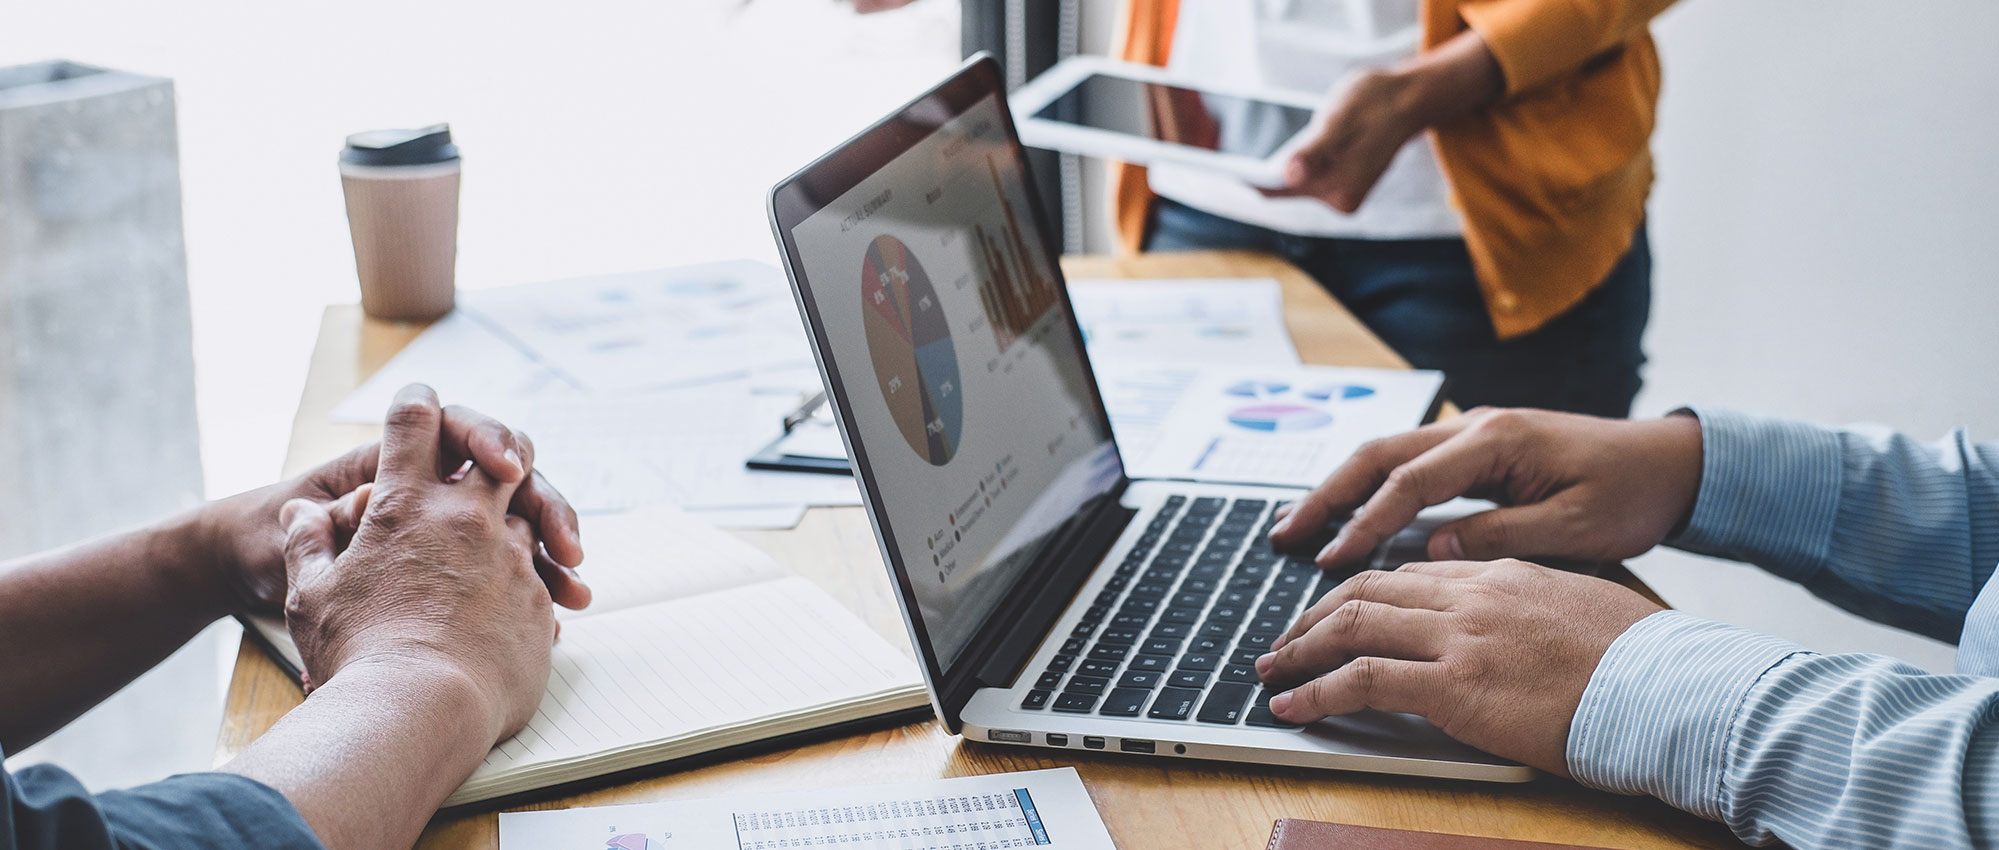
(1279, 417)
(915, 361)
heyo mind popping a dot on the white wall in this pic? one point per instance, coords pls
(1823, 232)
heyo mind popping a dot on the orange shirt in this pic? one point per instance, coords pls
(1551, 181)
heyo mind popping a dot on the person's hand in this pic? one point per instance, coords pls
(1358, 136)
(1569, 486)
(1497, 655)
(1379, 111)
(438, 576)
(247, 541)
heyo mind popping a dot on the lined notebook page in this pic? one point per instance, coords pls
(660, 553)
(636, 677)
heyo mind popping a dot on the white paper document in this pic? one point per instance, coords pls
(1222, 321)
(1039, 808)
(602, 336)
(1285, 427)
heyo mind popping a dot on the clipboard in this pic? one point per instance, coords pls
(806, 445)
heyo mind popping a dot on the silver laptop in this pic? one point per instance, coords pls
(1054, 601)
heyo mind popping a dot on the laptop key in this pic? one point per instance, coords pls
(1036, 699)
(1181, 615)
(1151, 662)
(1061, 663)
(1225, 703)
(1172, 630)
(1124, 702)
(1189, 600)
(1244, 657)
(1269, 624)
(1219, 631)
(1147, 679)
(1207, 645)
(1110, 651)
(1078, 703)
(1160, 646)
(1130, 621)
(1126, 636)
(1085, 685)
(1259, 641)
(1195, 679)
(1240, 674)
(1174, 704)
(1048, 680)
(1097, 668)
(1259, 713)
(1199, 661)
(1072, 646)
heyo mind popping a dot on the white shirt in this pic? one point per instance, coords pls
(1309, 46)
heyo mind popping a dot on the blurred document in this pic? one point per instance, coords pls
(653, 329)
(467, 362)
(1203, 321)
(1038, 808)
(684, 448)
(1285, 427)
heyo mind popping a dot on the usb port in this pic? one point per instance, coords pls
(1056, 739)
(1009, 736)
(1093, 742)
(1130, 746)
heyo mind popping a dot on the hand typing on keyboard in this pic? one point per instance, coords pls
(1495, 654)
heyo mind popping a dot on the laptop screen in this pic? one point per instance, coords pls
(947, 333)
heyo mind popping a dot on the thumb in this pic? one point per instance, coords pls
(308, 538)
(1533, 529)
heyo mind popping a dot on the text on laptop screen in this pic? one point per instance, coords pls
(943, 316)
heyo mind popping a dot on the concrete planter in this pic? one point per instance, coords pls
(97, 415)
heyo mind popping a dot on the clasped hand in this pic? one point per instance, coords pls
(1496, 653)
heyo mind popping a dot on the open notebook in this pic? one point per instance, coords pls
(696, 642)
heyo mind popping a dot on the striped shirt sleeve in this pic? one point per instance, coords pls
(1819, 751)
(1877, 523)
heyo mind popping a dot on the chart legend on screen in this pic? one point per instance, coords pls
(910, 343)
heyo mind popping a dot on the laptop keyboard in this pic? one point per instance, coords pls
(1176, 632)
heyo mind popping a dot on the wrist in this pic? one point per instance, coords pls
(425, 687)
(187, 555)
(1450, 81)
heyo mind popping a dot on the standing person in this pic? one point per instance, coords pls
(1475, 191)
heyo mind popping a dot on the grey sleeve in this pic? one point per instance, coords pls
(48, 809)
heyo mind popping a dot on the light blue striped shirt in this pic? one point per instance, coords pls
(1782, 743)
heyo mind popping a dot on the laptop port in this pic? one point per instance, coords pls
(1093, 742)
(1130, 746)
(1009, 736)
(1056, 739)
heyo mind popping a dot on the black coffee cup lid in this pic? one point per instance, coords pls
(421, 146)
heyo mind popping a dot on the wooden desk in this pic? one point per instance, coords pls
(1148, 803)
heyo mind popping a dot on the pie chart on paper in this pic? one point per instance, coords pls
(1279, 418)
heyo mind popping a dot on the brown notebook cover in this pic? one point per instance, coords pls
(1297, 834)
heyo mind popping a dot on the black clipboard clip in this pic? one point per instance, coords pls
(773, 457)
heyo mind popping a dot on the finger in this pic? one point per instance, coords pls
(564, 586)
(410, 437)
(1356, 628)
(1451, 468)
(1355, 480)
(496, 493)
(347, 510)
(1382, 684)
(1539, 528)
(474, 436)
(554, 519)
(308, 539)
(1403, 590)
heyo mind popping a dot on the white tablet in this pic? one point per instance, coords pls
(1141, 114)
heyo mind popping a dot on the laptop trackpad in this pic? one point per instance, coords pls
(1401, 735)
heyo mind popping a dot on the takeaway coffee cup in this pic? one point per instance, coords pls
(402, 207)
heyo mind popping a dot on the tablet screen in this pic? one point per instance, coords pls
(1217, 122)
